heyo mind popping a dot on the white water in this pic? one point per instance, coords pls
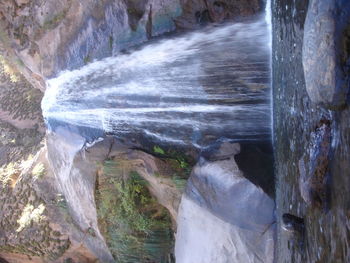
(212, 83)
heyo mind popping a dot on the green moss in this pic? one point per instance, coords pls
(87, 59)
(135, 226)
(178, 161)
(159, 150)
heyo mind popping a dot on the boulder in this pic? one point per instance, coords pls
(223, 217)
(326, 40)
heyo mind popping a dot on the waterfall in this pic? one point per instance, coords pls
(186, 89)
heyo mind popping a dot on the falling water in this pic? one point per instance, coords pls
(189, 89)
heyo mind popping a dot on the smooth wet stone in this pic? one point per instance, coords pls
(223, 151)
(224, 218)
(313, 168)
(323, 53)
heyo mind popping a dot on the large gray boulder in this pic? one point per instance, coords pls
(324, 52)
(223, 217)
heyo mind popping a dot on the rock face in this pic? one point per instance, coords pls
(223, 217)
(196, 13)
(66, 205)
(313, 168)
(45, 37)
(49, 210)
(325, 49)
(35, 223)
(89, 193)
(19, 100)
(293, 224)
(296, 117)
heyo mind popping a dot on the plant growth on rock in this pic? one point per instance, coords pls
(136, 227)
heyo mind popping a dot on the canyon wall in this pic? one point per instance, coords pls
(43, 38)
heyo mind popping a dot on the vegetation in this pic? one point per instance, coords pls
(180, 164)
(29, 215)
(57, 18)
(179, 182)
(8, 174)
(159, 150)
(182, 161)
(87, 59)
(136, 227)
(61, 201)
(38, 171)
(9, 70)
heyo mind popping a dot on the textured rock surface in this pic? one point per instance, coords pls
(19, 100)
(35, 223)
(77, 173)
(48, 211)
(326, 44)
(45, 37)
(201, 12)
(224, 218)
(296, 117)
(313, 168)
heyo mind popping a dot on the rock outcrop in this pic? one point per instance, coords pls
(301, 132)
(45, 37)
(223, 217)
(19, 100)
(35, 223)
(325, 51)
(55, 208)
(314, 168)
(50, 204)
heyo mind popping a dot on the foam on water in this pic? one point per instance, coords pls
(214, 82)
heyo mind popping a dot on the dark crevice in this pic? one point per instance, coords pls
(135, 9)
(256, 162)
(149, 24)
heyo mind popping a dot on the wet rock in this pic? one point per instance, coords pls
(136, 10)
(313, 168)
(45, 38)
(221, 151)
(325, 52)
(292, 223)
(201, 12)
(78, 167)
(223, 217)
(255, 160)
(295, 229)
(55, 35)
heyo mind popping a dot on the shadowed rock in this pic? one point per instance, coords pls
(313, 168)
(223, 217)
(292, 223)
